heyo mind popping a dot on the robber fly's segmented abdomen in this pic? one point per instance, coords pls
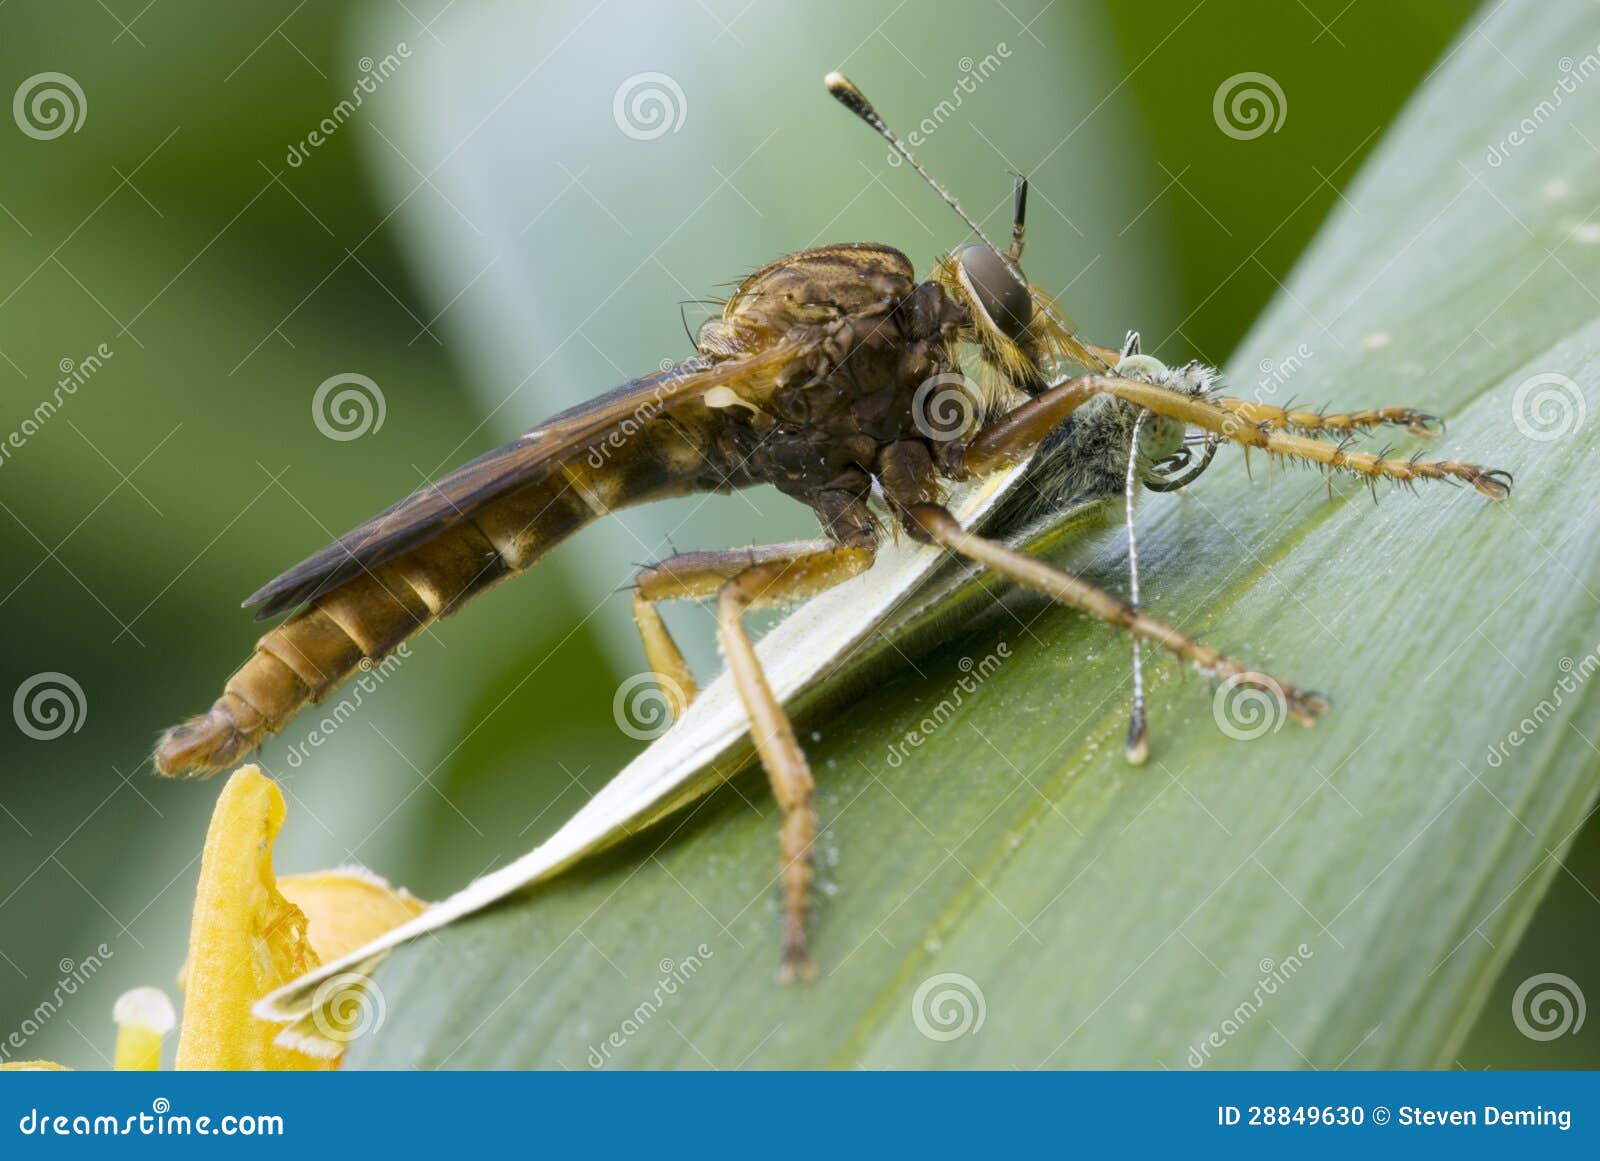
(367, 617)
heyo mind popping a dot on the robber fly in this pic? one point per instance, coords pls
(836, 376)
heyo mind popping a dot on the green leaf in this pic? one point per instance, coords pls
(1339, 896)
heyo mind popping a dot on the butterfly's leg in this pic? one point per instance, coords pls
(693, 576)
(943, 528)
(774, 582)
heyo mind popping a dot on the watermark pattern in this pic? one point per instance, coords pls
(1274, 975)
(674, 975)
(1577, 672)
(1548, 1006)
(1276, 372)
(372, 676)
(973, 74)
(945, 406)
(49, 705)
(160, 1121)
(74, 374)
(373, 74)
(948, 1006)
(348, 406)
(1573, 74)
(347, 1007)
(1548, 407)
(649, 105)
(646, 705)
(976, 673)
(49, 105)
(1249, 105)
(1248, 706)
(74, 975)
(614, 439)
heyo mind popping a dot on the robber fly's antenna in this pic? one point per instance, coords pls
(845, 92)
(1019, 211)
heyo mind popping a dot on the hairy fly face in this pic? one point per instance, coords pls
(1016, 326)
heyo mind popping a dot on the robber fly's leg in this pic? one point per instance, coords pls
(1008, 440)
(776, 581)
(943, 528)
(1013, 436)
(693, 576)
(1202, 412)
(1307, 422)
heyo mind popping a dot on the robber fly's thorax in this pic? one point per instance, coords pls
(867, 336)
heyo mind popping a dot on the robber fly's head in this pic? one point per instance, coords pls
(1015, 325)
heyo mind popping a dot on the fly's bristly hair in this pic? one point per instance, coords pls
(1048, 341)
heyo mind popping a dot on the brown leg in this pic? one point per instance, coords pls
(801, 575)
(1009, 439)
(693, 576)
(1024, 570)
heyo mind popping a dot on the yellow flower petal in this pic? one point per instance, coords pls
(246, 938)
(347, 908)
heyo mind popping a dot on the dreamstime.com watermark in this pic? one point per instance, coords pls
(160, 1121)
(649, 105)
(646, 704)
(675, 974)
(618, 436)
(49, 105)
(49, 705)
(973, 74)
(1548, 406)
(1576, 673)
(1548, 1006)
(345, 1008)
(373, 74)
(372, 676)
(974, 675)
(948, 1006)
(1276, 372)
(1249, 105)
(945, 406)
(1248, 706)
(1573, 74)
(1274, 975)
(348, 406)
(74, 374)
(74, 975)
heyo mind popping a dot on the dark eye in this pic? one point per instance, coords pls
(998, 288)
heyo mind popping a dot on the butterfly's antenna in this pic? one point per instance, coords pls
(1137, 747)
(845, 92)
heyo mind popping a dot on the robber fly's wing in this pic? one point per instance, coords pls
(453, 498)
(802, 655)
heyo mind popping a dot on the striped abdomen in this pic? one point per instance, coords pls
(364, 618)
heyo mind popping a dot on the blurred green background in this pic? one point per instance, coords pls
(483, 240)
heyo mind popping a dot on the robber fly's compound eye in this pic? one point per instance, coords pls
(997, 287)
